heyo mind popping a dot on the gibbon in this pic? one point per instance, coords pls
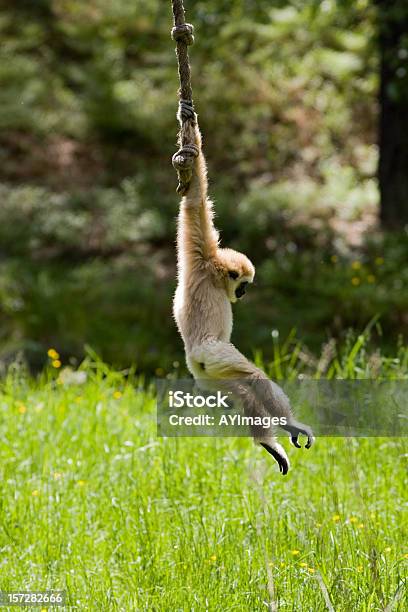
(210, 279)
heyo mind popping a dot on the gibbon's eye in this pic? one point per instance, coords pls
(240, 290)
(232, 274)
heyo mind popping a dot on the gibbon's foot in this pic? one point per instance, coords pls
(298, 428)
(279, 457)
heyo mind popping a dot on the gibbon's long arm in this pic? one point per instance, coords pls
(197, 237)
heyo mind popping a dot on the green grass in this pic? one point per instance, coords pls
(94, 503)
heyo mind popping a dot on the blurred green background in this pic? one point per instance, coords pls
(289, 102)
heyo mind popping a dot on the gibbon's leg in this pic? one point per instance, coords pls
(221, 361)
(278, 453)
(268, 392)
(243, 390)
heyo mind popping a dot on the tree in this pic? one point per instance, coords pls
(393, 125)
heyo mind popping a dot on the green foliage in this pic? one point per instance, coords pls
(286, 97)
(80, 270)
(322, 288)
(97, 270)
(101, 220)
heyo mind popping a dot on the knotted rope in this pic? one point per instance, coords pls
(183, 159)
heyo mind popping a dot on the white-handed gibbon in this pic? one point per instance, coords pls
(210, 279)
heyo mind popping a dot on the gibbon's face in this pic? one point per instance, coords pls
(239, 272)
(237, 286)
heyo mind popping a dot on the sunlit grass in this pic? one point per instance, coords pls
(94, 503)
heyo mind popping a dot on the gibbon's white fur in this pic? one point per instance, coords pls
(210, 279)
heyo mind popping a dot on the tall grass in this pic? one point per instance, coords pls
(94, 503)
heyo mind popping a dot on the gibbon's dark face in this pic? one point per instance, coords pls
(240, 290)
(237, 285)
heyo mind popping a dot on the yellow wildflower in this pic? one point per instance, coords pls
(303, 564)
(336, 518)
(295, 552)
(52, 354)
(56, 363)
(361, 526)
(57, 475)
(356, 265)
(311, 570)
(359, 568)
(117, 394)
(35, 493)
(22, 409)
(387, 549)
(355, 281)
(213, 558)
(81, 483)
(353, 519)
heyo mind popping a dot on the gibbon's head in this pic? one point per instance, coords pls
(237, 271)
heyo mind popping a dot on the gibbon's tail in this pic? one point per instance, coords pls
(197, 237)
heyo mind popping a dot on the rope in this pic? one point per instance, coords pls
(183, 160)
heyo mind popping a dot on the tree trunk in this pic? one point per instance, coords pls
(393, 99)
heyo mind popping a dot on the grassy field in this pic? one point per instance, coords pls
(94, 503)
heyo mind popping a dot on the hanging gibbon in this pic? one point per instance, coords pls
(210, 279)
